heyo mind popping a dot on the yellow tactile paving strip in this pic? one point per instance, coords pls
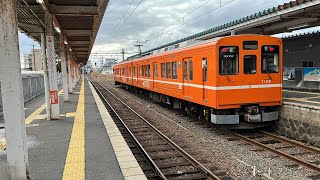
(74, 168)
(129, 166)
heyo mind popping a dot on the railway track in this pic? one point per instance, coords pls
(300, 154)
(159, 157)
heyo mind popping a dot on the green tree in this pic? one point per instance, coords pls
(59, 67)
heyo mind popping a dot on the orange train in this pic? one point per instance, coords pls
(226, 80)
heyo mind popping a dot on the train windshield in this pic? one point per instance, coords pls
(270, 59)
(229, 60)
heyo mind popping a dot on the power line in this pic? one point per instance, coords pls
(118, 23)
(245, 12)
(124, 21)
(182, 18)
(195, 18)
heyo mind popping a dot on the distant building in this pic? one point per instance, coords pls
(33, 61)
(107, 66)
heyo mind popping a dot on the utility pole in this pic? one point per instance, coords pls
(122, 52)
(139, 45)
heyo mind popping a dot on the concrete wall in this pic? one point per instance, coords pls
(298, 49)
(301, 48)
(300, 123)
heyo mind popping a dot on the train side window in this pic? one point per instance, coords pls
(143, 67)
(134, 70)
(250, 63)
(168, 70)
(148, 70)
(174, 70)
(145, 71)
(155, 70)
(250, 45)
(229, 60)
(270, 59)
(205, 69)
(139, 71)
(185, 70)
(163, 70)
(190, 70)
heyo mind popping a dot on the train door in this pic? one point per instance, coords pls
(204, 79)
(138, 75)
(154, 74)
(185, 78)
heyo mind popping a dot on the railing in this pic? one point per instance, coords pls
(33, 86)
(301, 77)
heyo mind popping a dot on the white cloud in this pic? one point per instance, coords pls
(151, 18)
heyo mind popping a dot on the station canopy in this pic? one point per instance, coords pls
(77, 20)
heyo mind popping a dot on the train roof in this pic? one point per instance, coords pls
(184, 45)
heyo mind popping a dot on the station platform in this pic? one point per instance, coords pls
(302, 98)
(83, 144)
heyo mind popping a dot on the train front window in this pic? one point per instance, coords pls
(270, 59)
(250, 62)
(229, 60)
(250, 45)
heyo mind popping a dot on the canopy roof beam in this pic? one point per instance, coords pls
(65, 10)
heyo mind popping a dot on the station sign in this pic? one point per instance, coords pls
(54, 98)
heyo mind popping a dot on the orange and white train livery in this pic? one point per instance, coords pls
(226, 80)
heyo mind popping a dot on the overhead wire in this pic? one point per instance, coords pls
(124, 21)
(245, 12)
(187, 22)
(182, 18)
(118, 23)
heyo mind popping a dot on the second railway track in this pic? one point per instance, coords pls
(299, 153)
(162, 158)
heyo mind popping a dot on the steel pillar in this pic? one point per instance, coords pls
(46, 77)
(64, 70)
(69, 74)
(54, 97)
(12, 95)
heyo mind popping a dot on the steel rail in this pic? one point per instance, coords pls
(275, 151)
(141, 149)
(186, 155)
(289, 141)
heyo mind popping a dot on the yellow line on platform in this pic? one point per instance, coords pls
(74, 168)
(301, 100)
(301, 92)
(28, 120)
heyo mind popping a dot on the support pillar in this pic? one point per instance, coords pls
(83, 73)
(69, 74)
(64, 70)
(12, 95)
(74, 79)
(45, 74)
(53, 80)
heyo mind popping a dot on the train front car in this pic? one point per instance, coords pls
(249, 79)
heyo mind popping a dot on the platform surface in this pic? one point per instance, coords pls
(77, 146)
(301, 98)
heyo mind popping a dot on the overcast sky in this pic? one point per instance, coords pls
(163, 21)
